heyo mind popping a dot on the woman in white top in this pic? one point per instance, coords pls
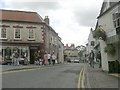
(53, 58)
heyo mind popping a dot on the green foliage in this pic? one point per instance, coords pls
(114, 66)
(99, 33)
(80, 53)
(110, 49)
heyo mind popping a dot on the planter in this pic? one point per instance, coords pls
(99, 33)
(114, 66)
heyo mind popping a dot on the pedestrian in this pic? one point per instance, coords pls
(45, 58)
(13, 58)
(49, 58)
(99, 57)
(92, 58)
(39, 58)
(53, 58)
(25, 58)
(35, 57)
(16, 58)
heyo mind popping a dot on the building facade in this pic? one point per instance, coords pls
(109, 21)
(27, 32)
(70, 52)
(53, 41)
(22, 33)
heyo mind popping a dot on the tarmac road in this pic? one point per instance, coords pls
(58, 76)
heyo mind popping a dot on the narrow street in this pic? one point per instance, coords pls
(58, 76)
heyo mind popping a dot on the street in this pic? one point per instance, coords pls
(61, 76)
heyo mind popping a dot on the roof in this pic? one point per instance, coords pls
(113, 4)
(22, 16)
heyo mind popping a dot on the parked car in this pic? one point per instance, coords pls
(76, 61)
(3, 63)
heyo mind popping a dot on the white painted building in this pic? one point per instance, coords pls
(109, 20)
(91, 42)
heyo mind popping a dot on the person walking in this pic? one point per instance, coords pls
(92, 58)
(99, 57)
(49, 58)
(53, 58)
(16, 58)
(13, 58)
(45, 58)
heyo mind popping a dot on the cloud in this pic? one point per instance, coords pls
(72, 20)
(39, 6)
(86, 13)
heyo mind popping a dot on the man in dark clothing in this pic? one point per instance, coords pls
(92, 58)
(99, 57)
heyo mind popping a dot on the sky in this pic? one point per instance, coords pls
(71, 19)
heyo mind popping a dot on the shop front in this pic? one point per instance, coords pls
(6, 53)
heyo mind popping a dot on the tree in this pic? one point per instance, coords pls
(81, 50)
(81, 47)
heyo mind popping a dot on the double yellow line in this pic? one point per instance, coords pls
(81, 80)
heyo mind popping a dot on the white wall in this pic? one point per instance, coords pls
(104, 57)
(90, 38)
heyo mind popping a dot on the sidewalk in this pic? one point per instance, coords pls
(5, 68)
(96, 78)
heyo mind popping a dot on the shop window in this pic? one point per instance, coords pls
(7, 53)
(24, 53)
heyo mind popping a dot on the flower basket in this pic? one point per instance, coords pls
(99, 33)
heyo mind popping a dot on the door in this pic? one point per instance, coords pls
(32, 58)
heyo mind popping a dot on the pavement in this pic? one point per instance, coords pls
(97, 78)
(6, 68)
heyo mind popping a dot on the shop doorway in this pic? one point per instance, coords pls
(32, 54)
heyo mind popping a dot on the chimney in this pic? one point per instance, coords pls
(46, 20)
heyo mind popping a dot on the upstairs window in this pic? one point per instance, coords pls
(92, 43)
(31, 34)
(116, 20)
(3, 33)
(17, 33)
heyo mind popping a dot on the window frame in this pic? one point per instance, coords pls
(1, 33)
(33, 34)
(15, 34)
(116, 19)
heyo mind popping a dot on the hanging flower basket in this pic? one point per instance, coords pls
(99, 33)
(110, 49)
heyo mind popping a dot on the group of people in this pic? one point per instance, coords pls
(15, 58)
(92, 56)
(46, 59)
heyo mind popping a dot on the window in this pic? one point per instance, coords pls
(31, 34)
(92, 43)
(17, 34)
(3, 33)
(116, 20)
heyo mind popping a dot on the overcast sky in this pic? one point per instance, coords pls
(71, 19)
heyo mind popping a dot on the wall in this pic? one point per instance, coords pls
(104, 57)
(24, 31)
(90, 38)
